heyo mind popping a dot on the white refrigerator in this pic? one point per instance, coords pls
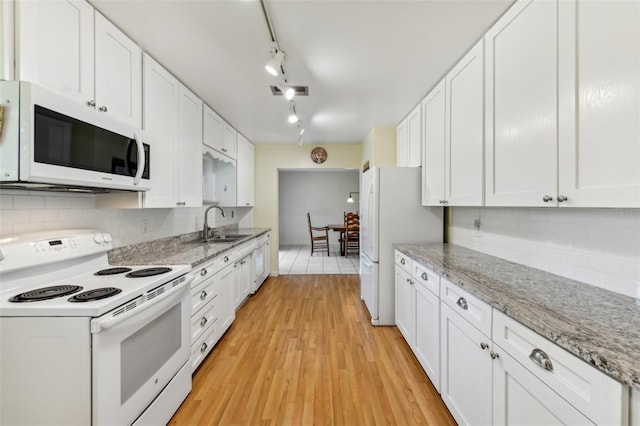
(390, 212)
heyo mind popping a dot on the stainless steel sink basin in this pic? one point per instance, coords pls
(228, 238)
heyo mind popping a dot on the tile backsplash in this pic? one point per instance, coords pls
(600, 247)
(29, 211)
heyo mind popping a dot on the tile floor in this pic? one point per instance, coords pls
(297, 259)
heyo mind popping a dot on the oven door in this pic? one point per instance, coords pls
(137, 353)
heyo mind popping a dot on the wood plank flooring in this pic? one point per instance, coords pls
(302, 351)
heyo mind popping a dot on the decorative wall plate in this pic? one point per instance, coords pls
(318, 155)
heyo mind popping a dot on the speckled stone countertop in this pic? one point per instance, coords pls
(180, 250)
(599, 326)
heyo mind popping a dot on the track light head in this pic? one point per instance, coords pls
(289, 93)
(274, 65)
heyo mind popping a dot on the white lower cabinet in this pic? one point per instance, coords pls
(404, 305)
(427, 314)
(465, 376)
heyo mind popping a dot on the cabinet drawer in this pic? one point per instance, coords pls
(427, 278)
(204, 271)
(403, 261)
(203, 346)
(474, 310)
(202, 294)
(595, 394)
(202, 320)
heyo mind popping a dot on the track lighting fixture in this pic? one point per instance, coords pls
(274, 65)
(293, 117)
(289, 93)
(301, 131)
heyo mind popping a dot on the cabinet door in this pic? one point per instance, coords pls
(118, 73)
(414, 137)
(229, 141)
(405, 305)
(161, 96)
(520, 398)
(188, 149)
(213, 129)
(267, 258)
(521, 106)
(599, 78)
(465, 376)
(433, 129)
(224, 284)
(427, 325)
(402, 142)
(244, 172)
(54, 46)
(465, 139)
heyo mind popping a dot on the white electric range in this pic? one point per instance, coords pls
(86, 342)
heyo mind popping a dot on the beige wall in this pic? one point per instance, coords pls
(270, 158)
(379, 147)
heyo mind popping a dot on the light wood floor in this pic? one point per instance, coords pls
(302, 351)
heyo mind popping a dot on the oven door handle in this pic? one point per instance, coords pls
(160, 302)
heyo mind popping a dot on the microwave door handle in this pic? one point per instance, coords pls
(141, 159)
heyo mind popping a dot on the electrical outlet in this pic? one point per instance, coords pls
(476, 228)
(144, 226)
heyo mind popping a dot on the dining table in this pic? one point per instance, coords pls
(339, 228)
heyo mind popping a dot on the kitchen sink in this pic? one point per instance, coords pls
(226, 238)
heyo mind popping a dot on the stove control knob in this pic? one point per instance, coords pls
(106, 237)
(98, 238)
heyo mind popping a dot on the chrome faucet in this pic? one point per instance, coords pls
(205, 229)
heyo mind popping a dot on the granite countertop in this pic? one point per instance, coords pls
(180, 250)
(597, 325)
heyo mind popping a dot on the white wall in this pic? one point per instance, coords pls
(321, 193)
(600, 247)
(29, 211)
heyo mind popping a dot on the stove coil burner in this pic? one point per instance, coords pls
(112, 271)
(148, 272)
(97, 294)
(46, 293)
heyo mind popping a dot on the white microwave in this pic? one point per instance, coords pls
(48, 141)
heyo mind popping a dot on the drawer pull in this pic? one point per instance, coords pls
(226, 259)
(494, 355)
(203, 295)
(203, 348)
(484, 345)
(203, 321)
(424, 276)
(203, 272)
(462, 303)
(541, 358)
(402, 262)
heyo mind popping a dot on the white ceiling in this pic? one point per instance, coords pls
(366, 62)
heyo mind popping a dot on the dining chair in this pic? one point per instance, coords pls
(318, 241)
(352, 234)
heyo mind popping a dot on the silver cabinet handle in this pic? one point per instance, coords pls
(541, 358)
(562, 198)
(203, 272)
(102, 109)
(203, 295)
(484, 345)
(494, 355)
(424, 276)
(91, 103)
(402, 262)
(224, 150)
(547, 198)
(203, 348)
(203, 321)
(226, 259)
(462, 303)
(408, 280)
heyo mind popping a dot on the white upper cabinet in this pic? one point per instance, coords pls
(434, 141)
(118, 71)
(188, 149)
(464, 130)
(173, 129)
(409, 140)
(245, 173)
(54, 46)
(521, 106)
(599, 99)
(229, 141)
(66, 46)
(402, 144)
(218, 134)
